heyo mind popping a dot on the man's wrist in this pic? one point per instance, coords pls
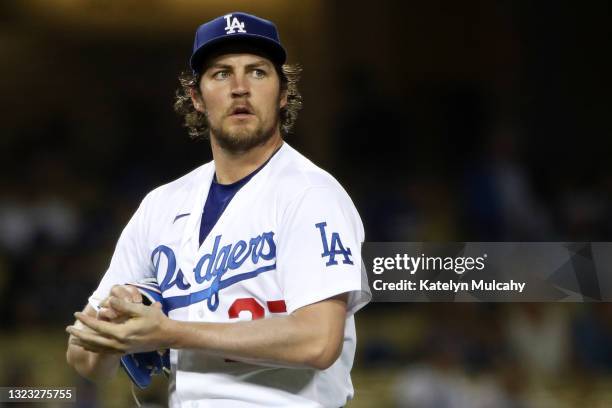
(172, 333)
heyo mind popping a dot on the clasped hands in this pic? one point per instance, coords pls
(123, 325)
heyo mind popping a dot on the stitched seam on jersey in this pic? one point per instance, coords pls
(301, 194)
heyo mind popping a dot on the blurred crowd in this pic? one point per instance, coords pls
(494, 355)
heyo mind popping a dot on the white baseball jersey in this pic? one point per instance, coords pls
(290, 237)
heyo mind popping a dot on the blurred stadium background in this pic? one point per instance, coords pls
(446, 121)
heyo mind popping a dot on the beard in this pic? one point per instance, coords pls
(242, 139)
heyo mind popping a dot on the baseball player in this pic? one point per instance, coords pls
(256, 254)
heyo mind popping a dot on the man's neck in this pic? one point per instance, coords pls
(231, 167)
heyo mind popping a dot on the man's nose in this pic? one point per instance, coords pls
(240, 86)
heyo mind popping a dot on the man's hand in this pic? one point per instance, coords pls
(126, 292)
(144, 329)
(95, 366)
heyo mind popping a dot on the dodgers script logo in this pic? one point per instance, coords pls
(233, 25)
(212, 267)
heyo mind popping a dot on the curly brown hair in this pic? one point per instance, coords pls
(196, 122)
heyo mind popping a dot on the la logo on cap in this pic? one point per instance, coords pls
(234, 25)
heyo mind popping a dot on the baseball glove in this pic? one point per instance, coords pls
(140, 367)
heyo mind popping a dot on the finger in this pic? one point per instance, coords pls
(120, 291)
(135, 295)
(75, 341)
(106, 302)
(126, 292)
(100, 326)
(107, 314)
(93, 341)
(106, 305)
(122, 306)
(111, 315)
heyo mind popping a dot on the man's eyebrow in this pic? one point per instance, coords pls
(220, 65)
(255, 64)
(258, 64)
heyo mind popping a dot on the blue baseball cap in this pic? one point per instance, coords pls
(239, 27)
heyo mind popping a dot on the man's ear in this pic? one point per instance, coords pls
(197, 101)
(283, 99)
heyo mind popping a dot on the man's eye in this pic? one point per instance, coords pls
(259, 73)
(221, 75)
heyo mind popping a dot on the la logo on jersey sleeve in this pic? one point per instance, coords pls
(333, 248)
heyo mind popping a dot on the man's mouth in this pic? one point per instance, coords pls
(241, 112)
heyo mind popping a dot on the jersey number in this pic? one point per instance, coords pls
(253, 306)
(257, 311)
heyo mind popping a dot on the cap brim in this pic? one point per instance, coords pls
(274, 51)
